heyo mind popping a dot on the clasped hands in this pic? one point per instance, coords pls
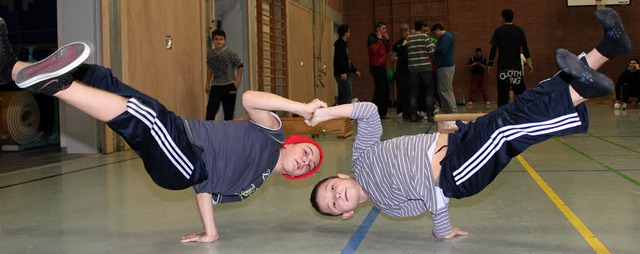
(309, 112)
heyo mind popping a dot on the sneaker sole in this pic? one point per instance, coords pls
(54, 65)
(570, 64)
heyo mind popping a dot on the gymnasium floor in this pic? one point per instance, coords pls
(576, 194)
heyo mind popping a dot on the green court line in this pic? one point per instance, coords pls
(575, 149)
(615, 144)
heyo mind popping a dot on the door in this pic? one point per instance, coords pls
(163, 52)
(300, 39)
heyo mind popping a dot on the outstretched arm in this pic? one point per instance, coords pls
(260, 104)
(210, 233)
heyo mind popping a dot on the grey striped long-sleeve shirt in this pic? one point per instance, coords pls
(396, 173)
(418, 50)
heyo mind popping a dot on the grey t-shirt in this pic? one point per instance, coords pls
(396, 173)
(239, 155)
(223, 63)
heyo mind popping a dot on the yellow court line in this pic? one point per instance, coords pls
(575, 221)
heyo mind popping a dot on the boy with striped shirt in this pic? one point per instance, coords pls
(409, 175)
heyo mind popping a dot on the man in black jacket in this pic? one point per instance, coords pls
(342, 65)
(628, 84)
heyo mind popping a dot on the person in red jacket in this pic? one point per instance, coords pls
(379, 46)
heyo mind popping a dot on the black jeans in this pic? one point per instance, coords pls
(421, 81)
(402, 83)
(381, 92)
(222, 94)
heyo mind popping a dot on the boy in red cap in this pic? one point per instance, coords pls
(224, 161)
(408, 175)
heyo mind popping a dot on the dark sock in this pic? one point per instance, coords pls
(614, 40)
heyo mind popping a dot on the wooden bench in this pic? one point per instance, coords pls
(340, 127)
(446, 123)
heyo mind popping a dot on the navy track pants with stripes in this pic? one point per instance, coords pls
(154, 133)
(479, 151)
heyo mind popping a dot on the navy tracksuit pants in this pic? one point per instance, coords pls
(481, 149)
(157, 135)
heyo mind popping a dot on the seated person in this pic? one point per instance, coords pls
(628, 84)
(408, 175)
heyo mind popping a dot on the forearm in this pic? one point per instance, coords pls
(206, 214)
(525, 51)
(239, 76)
(442, 224)
(209, 77)
(262, 101)
(494, 48)
(326, 114)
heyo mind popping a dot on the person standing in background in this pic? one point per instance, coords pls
(401, 72)
(419, 48)
(378, 47)
(477, 64)
(445, 68)
(342, 65)
(222, 64)
(507, 41)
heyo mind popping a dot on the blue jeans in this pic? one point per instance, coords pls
(344, 89)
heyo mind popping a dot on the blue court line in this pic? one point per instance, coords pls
(362, 231)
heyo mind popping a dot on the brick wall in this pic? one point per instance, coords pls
(335, 4)
(548, 24)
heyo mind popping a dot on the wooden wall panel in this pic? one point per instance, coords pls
(326, 89)
(173, 76)
(188, 57)
(300, 53)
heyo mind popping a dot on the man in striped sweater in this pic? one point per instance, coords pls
(408, 175)
(419, 48)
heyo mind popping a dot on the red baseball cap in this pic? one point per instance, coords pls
(301, 139)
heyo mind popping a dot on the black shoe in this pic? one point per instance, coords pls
(52, 74)
(587, 82)
(615, 41)
(7, 58)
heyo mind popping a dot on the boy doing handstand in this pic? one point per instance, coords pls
(224, 161)
(409, 175)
